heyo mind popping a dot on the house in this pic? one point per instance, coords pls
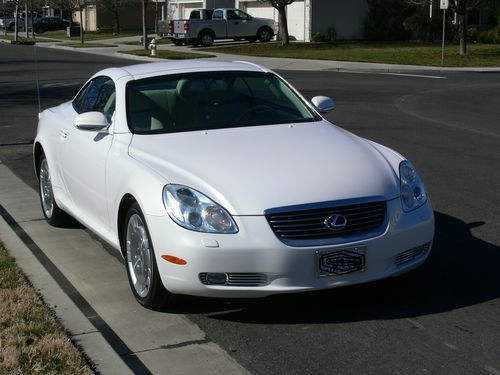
(95, 17)
(305, 17)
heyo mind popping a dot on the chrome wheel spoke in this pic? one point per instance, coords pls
(46, 193)
(139, 255)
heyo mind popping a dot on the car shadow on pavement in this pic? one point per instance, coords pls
(461, 271)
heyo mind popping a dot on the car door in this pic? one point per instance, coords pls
(240, 24)
(219, 24)
(84, 153)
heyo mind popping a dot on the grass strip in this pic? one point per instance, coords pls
(169, 55)
(32, 341)
(426, 54)
(30, 39)
(158, 41)
(92, 35)
(88, 45)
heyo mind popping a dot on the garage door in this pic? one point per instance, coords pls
(187, 8)
(296, 20)
(260, 10)
(295, 15)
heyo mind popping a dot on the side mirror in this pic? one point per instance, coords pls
(92, 121)
(323, 104)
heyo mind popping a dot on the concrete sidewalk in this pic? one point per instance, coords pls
(88, 289)
(117, 44)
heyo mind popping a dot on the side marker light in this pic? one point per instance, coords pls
(174, 260)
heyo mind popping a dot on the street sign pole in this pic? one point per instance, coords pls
(443, 5)
(442, 47)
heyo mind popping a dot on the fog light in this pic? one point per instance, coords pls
(216, 278)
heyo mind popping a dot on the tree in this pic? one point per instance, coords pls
(384, 20)
(113, 6)
(80, 5)
(280, 6)
(145, 24)
(66, 6)
(460, 8)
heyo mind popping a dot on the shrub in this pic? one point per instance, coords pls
(318, 37)
(105, 29)
(332, 34)
(472, 34)
(491, 36)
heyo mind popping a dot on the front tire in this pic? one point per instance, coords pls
(177, 42)
(54, 215)
(265, 34)
(140, 261)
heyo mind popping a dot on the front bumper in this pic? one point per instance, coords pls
(256, 250)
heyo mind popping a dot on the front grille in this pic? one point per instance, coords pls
(296, 226)
(240, 279)
(412, 254)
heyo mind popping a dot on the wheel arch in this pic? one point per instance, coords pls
(264, 27)
(204, 31)
(125, 203)
(37, 154)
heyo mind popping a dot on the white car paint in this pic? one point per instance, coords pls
(246, 170)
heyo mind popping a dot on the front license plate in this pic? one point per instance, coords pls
(341, 262)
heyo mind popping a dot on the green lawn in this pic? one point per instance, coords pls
(92, 35)
(483, 55)
(169, 55)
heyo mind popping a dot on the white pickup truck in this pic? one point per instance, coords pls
(206, 25)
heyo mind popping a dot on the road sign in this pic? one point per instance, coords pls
(444, 4)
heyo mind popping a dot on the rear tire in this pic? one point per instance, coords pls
(140, 262)
(54, 215)
(206, 39)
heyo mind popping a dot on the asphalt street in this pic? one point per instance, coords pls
(440, 319)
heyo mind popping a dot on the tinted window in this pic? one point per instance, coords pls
(217, 15)
(98, 95)
(237, 15)
(203, 101)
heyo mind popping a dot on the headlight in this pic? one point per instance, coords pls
(412, 189)
(193, 210)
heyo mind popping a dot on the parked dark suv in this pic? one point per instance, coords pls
(49, 24)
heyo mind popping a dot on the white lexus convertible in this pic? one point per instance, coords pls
(220, 179)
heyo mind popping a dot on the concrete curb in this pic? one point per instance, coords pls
(81, 331)
(88, 289)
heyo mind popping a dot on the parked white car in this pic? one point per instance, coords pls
(220, 179)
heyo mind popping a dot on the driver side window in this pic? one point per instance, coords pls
(98, 95)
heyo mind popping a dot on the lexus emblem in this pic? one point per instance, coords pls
(336, 222)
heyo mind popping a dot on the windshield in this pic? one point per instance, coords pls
(212, 100)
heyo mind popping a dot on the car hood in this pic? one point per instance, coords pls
(248, 170)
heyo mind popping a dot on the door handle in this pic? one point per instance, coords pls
(236, 23)
(63, 133)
